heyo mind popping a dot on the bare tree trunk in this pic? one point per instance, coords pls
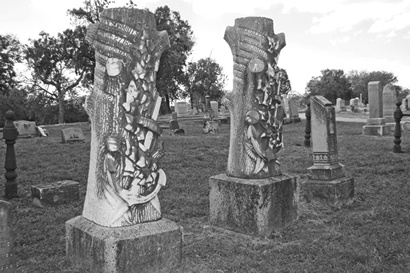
(61, 112)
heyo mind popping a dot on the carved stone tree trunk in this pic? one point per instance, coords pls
(124, 177)
(254, 103)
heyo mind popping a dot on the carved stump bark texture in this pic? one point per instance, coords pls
(124, 177)
(254, 103)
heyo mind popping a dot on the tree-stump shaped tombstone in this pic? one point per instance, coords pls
(254, 197)
(254, 103)
(124, 177)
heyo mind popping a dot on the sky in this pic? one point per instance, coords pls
(359, 35)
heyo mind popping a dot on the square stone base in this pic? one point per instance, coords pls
(326, 172)
(256, 207)
(376, 130)
(335, 191)
(148, 247)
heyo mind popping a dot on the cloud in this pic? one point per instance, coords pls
(216, 8)
(385, 17)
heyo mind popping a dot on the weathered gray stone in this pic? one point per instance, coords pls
(326, 176)
(7, 259)
(376, 124)
(340, 105)
(389, 102)
(72, 134)
(258, 207)
(335, 191)
(403, 105)
(26, 128)
(214, 107)
(253, 102)
(143, 248)
(56, 193)
(181, 108)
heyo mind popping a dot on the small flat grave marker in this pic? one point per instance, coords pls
(7, 261)
(55, 193)
(26, 128)
(72, 135)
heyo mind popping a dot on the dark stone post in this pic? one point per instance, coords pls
(398, 114)
(308, 126)
(207, 103)
(10, 134)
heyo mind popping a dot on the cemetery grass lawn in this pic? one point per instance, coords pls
(370, 235)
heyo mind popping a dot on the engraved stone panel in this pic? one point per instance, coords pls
(26, 128)
(72, 135)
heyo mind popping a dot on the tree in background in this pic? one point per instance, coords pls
(170, 75)
(204, 77)
(59, 65)
(360, 79)
(332, 84)
(10, 54)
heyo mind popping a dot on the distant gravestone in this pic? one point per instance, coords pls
(340, 105)
(26, 128)
(327, 180)
(174, 126)
(181, 108)
(403, 105)
(355, 106)
(294, 113)
(376, 124)
(389, 102)
(56, 193)
(214, 107)
(72, 135)
(42, 131)
(408, 102)
(7, 260)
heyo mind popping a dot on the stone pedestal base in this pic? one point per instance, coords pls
(253, 206)
(376, 130)
(326, 172)
(335, 191)
(148, 247)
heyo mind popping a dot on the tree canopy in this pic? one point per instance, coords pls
(170, 75)
(360, 79)
(204, 77)
(59, 64)
(10, 54)
(332, 84)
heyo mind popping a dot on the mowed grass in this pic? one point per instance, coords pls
(370, 235)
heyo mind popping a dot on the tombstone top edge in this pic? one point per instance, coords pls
(322, 100)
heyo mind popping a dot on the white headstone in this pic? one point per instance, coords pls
(340, 105)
